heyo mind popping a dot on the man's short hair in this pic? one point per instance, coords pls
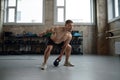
(68, 21)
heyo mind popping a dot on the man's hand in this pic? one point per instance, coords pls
(41, 34)
(51, 30)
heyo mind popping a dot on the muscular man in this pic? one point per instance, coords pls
(62, 37)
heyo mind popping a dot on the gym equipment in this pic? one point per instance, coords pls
(56, 62)
(47, 35)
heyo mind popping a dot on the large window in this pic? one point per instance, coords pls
(113, 9)
(23, 11)
(80, 11)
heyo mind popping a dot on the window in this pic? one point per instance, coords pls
(80, 11)
(113, 9)
(23, 11)
(116, 8)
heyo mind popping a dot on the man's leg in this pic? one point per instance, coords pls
(46, 56)
(68, 53)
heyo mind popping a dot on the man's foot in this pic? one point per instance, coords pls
(43, 66)
(68, 64)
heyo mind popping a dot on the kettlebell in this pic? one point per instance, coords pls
(56, 62)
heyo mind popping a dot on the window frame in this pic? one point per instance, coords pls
(76, 23)
(15, 23)
(111, 11)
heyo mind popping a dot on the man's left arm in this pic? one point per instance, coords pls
(67, 41)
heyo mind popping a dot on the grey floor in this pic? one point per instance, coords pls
(24, 67)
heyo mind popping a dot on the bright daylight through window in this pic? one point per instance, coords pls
(80, 11)
(23, 11)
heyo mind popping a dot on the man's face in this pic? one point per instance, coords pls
(69, 26)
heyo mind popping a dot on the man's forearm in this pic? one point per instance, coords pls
(63, 50)
(45, 32)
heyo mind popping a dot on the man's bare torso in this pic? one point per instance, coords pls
(60, 34)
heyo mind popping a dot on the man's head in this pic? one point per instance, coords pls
(69, 25)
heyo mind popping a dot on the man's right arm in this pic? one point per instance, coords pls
(51, 30)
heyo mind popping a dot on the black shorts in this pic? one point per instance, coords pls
(51, 42)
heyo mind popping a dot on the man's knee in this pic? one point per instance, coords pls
(69, 47)
(49, 49)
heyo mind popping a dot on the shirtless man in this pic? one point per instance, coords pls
(60, 36)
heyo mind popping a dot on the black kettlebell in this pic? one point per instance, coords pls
(56, 62)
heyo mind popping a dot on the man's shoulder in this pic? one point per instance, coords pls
(69, 35)
(58, 27)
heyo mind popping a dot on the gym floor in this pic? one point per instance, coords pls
(87, 67)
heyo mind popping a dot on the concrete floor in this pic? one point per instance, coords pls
(24, 67)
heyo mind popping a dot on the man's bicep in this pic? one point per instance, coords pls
(51, 30)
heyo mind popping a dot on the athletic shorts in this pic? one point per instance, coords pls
(51, 42)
